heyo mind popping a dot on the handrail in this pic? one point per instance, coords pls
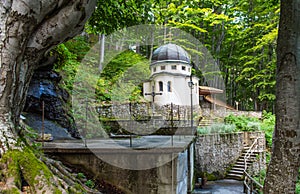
(254, 146)
(249, 152)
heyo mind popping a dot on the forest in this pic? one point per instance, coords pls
(240, 35)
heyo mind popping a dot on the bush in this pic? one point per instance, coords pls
(217, 128)
(80, 176)
(243, 123)
(90, 184)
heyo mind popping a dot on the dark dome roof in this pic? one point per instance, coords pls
(170, 52)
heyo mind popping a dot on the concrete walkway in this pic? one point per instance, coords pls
(225, 186)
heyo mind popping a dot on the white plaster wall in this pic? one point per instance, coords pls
(180, 91)
(168, 68)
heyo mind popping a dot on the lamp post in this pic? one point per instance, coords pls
(191, 85)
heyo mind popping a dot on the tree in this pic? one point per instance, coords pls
(28, 29)
(285, 161)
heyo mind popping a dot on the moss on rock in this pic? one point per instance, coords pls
(21, 168)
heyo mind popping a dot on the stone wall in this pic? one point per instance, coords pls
(138, 118)
(145, 110)
(215, 153)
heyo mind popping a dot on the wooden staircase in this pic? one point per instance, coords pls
(237, 171)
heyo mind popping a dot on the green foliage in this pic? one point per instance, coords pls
(90, 183)
(217, 128)
(11, 191)
(243, 123)
(298, 183)
(78, 46)
(268, 126)
(80, 176)
(261, 177)
(111, 15)
(67, 66)
(121, 79)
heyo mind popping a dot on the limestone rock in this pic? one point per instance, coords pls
(44, 87)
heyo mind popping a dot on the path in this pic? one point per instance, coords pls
(225, 186)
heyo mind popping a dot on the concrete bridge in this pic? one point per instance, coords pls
(147, 164)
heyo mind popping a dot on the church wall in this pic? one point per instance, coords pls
(179, 94)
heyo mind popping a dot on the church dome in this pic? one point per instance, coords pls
(170, 53)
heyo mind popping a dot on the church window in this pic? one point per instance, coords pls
(169, 86)
(163, 67)
(154, 69)
(174, 67)
(183, 68)
(161, 86)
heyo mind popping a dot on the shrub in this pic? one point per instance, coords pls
(243, 123)
(80, 176)
(90, 183)
(217, 128)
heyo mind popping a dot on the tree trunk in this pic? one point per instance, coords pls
(28, 29)
(285, 161)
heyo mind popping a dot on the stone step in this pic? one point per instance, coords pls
(234, 176)
(237, 171)
(248, 159)
(241, 168)
(238, 165)
(254, 154)
(242, 162)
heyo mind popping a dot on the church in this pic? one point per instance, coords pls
(171, 80)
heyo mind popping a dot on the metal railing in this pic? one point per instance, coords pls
(250, 184)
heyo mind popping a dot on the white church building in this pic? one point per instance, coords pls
(171, 80)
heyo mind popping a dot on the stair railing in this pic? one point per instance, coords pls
(249, 182)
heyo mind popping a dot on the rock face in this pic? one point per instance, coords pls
(44, 87)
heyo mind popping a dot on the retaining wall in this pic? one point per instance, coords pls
(216, 153)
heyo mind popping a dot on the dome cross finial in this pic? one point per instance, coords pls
(169, 37)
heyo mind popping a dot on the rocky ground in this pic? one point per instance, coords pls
(50, 127)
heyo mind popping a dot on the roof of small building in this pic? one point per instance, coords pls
(170, 53)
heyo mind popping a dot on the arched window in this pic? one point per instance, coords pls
(169, 86)
(161, 86)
